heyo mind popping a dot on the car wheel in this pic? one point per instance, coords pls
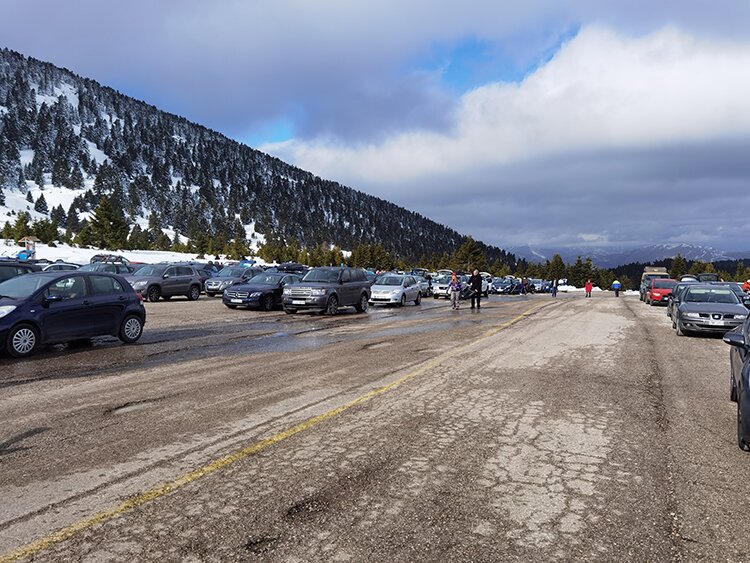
(267, 303)
(153, 293)
(361, 307)
(402, 303)
(131, 329)
(332, 306)
(290, 311)
(741, 444)
(732, 389)
(418, 300)
(230, 305)
(679, 330)
(194, 293)
(22, 341)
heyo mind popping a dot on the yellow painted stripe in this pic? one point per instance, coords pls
(161, 490)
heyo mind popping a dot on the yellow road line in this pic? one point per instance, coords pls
(162, 490)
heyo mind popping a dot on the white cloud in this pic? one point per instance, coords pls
(601, 91)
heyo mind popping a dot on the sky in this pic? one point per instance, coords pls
(554, 124)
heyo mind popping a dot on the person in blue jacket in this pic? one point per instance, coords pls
(616, 287)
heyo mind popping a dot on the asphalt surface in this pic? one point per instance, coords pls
(555, 430)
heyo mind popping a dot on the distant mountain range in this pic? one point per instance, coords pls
(611, 257)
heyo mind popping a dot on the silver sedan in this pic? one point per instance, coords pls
(395, 289)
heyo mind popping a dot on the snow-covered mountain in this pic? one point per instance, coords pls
(611, 257)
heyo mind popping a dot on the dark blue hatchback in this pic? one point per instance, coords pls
(56, 307)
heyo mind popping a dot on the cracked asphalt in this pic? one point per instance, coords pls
(554, 430)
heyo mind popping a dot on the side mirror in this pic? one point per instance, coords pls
(54, 298)
(165, 276)
(746, 301)
(735, 339)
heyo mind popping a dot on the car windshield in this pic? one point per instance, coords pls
(443, 279)
(321, 276)
(22, 286)
(664, 284)
(150, 271)
(390, 280)
(266, 279)
(231, 273)
(706, 295)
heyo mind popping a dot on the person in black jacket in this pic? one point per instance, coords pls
(475, 283)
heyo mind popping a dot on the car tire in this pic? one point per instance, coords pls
(418, 300)
(131, 329)
(153, 294)
(266, 303)
(194, 293)
(22, 341)
(290, 311)
(741, 444)
(364, 302)
(679, 330)
(332, 306)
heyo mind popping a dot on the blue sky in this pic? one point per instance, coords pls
(534, 122)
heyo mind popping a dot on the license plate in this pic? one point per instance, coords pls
(298, 302)
(235, 300)
(714, 322)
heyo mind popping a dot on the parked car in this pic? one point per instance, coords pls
(114, 258)
(164, 281)
(264, 291)
(709, 309)
(392, 289)
(12, 268)
(650, 273)
(440, 287)
(425, 285)
(659, 291)
(108, 268)
(229, 276)
(324, 290)
(55, 307)
(60, 267)
(674, 298)
(739, 374)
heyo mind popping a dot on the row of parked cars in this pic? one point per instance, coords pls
(704, 304)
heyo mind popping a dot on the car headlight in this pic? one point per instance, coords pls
(317, 291)
(287, 291)
(740, 317)
(693, 315)
(6, 309)
(139, 284)
(255, 294)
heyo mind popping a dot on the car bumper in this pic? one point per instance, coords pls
(306, 303)
(700, 325)
(661, 299)
(242, 301)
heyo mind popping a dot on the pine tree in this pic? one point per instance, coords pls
(21, 227)
(108, 227)
(679, 267)
(29, 197)
(41, 205)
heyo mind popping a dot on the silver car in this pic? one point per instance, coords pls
(708, 308)
(395, 289)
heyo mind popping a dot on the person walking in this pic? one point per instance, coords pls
(616, 287)
(588, 287)
(455, 288)
(554, 288)
(475, 283)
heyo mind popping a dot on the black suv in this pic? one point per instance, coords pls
(324, 290)
(12, 268)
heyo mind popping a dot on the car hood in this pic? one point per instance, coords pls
(251, 287)
(224, 279)
(132, 279)
(723, 308)
(377, 287)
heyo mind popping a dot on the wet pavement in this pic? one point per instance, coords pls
(584, 430)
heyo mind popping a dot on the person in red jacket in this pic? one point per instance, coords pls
(588, 287)
(746, 286)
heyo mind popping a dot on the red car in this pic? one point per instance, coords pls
(659, 291)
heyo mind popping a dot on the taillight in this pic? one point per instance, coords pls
(140, 297)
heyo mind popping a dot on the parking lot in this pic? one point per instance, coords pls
(535, 428)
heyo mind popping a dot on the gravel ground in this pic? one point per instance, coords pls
(584, 430)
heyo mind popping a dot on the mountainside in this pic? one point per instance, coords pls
(77, 141)
(611, 257)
